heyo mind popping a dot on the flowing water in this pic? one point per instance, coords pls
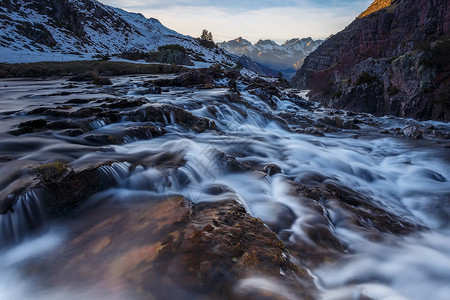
(408, 178)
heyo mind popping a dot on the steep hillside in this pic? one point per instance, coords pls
(285, 58)
(392, 60)
(64, 29)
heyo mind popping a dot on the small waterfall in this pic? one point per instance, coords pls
(116, 172)
(97, 124)
(27, 214)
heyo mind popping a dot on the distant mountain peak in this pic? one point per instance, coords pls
(286, 57)
(241, 41)
(266, 42)
(377, 5)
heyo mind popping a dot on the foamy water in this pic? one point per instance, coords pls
(407, 178)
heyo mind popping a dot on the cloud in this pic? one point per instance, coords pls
(278, 20)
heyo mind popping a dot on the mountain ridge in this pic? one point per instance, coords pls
(285, 58)
(67, 28)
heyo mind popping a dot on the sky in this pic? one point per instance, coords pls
(278, 20)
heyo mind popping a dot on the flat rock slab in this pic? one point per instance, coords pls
(172, 249)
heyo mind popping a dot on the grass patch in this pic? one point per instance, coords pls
(71, 68)
(52, 171)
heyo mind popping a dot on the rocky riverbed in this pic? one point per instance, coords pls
(214, 185)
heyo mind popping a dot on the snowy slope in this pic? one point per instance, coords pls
(33, 30)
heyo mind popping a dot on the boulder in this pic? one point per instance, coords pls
(171, 248)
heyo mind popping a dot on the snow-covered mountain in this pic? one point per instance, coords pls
(286, 57)
(33, 30)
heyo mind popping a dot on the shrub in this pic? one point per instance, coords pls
(337, 94)
(102, 56)
(172, 47)
(392, 90)
(440, 54)
(365, 78)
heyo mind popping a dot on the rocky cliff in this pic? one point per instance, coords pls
(392, 60)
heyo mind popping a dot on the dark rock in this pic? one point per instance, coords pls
(413, 131)
(125, 104)
(168, 113)
(312, 131)
(86, 112)
(88, 76)
(189, 78)
(102, 81)
(272, 169)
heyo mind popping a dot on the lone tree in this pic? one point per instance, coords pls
(206, 39)
(207, 36)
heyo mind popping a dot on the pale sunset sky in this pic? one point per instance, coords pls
(278, 20)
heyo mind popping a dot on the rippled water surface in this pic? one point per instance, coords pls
(405, 177)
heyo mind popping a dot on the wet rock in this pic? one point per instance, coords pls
(230, 163)
(88, 76)
(232, 74)
(103, 139)
(189, 78)
(275, 215)
(124, 103)
(53, 171)
(335, 122)
(102, 81)
(63, 194)
(93, 77)
(272, 169)
(326, 206)
(232, 85)
(86, 112)
(30, 126)
(170, 248)
(168, 113)
(413, 131)
(205, 87)
(311, 130)
(350, 125)
(263, 95)
(125, 135)
(148, 90)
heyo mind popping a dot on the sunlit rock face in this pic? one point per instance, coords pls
(390, 61)
(375, 6)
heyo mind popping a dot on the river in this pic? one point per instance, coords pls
(404, 177)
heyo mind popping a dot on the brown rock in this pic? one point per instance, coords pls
(170, 248)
